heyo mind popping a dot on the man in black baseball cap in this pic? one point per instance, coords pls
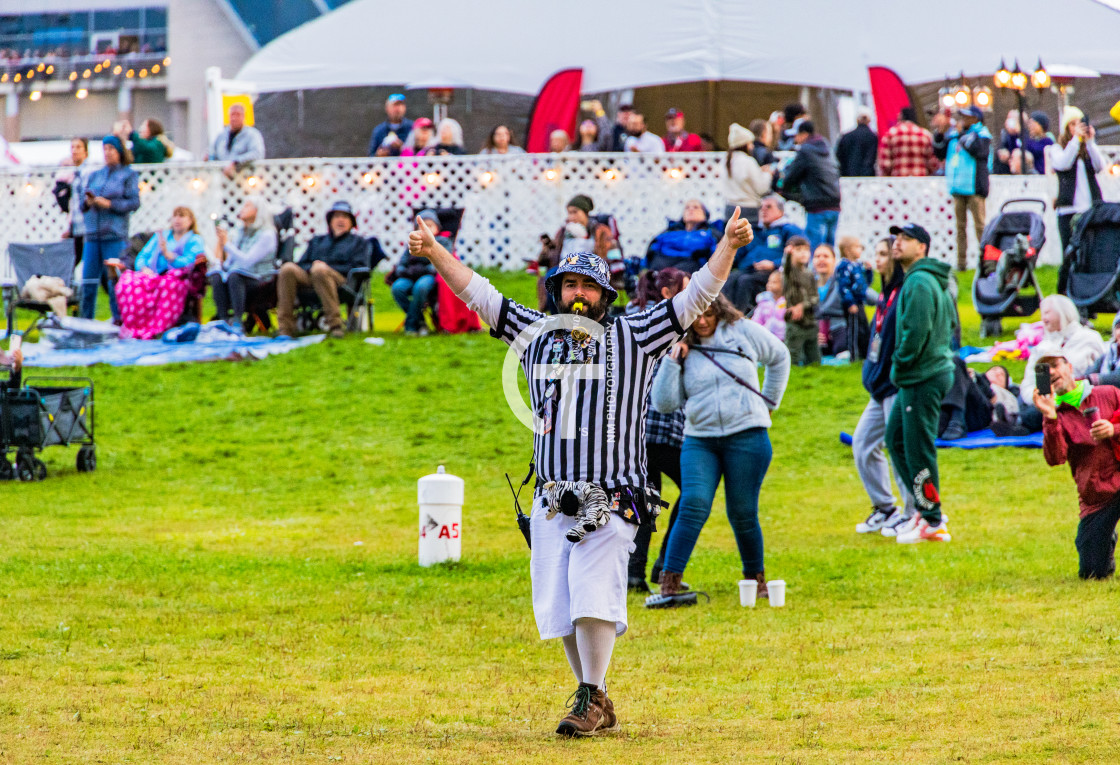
(912, 231)
(922, 370)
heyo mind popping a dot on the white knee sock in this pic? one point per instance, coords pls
(571, 650)
(595, 639)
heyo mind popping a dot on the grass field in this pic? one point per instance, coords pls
(238, 582)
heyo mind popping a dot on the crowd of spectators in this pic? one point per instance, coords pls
(13, 57)
(811, 285)
(798, 287)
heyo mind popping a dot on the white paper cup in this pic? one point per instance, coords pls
(748, 591)
(777, 590)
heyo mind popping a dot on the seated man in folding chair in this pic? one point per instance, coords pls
(325, 265)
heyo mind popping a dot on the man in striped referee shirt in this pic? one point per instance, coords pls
(590, 428)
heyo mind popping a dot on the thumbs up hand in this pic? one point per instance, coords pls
(738, 231)
(421, 242)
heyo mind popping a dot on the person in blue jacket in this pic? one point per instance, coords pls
(965, 151)
(686, 244)
(111, 195)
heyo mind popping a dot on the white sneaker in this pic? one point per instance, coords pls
(874, 521)
(898, 522)
(923, 532)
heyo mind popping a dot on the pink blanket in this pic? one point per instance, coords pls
(151, 303)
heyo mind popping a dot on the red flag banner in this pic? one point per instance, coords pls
(889, 94)
(556, 108)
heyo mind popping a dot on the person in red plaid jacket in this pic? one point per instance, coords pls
(906, 149)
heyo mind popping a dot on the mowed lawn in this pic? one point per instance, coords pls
(238, 583)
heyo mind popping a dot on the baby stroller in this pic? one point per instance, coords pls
(1009, 251)
(1094, 249)
(46, 411)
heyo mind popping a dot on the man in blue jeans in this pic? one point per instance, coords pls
(414, 279)
(813, 178)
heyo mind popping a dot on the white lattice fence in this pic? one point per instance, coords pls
(509, 201)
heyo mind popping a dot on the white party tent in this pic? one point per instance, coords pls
(513, 45)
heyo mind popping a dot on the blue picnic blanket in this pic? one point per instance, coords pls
(211, 342)
(979, 439)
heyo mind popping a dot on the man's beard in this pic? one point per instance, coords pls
(593, 311)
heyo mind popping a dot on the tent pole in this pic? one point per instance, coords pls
(713, 109)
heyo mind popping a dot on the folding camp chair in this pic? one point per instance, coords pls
(353, 294)
(44, 259)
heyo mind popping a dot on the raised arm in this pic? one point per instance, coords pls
(422, 243)
(706, 283)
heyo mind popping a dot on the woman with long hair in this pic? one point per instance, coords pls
(152, 296)
(244, 258)
(745, 183)
(713, 374)
(868, 441)
(500, 141)
(590, 136)
(1076, 160)
(664, 434)
(109, 197)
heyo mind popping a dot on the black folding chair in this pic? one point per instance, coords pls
(260, 298)
(45, 259)
(353, 294)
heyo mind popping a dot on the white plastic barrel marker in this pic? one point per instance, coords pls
(440, 496)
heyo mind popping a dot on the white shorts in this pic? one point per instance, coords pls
(576, 581)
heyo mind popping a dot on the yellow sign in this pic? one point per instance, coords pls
(229, 100)
(1115, 111)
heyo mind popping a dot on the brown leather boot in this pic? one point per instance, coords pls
(610, 721)
(670, 583)
(760, 577)
(673, 593)
(588, 716)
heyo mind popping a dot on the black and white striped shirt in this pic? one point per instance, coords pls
(597, 417)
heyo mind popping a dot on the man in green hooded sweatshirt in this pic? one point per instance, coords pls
(922, 370)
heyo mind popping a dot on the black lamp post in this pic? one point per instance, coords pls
(1017, 80)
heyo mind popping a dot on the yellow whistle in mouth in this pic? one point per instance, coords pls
(577, 306)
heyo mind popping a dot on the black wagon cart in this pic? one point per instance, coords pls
(45, 411)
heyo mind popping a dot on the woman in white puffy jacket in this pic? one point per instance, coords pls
(713, 374)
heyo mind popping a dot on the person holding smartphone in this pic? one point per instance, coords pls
(111, 195)
(1076, 160)
(1079, 427)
